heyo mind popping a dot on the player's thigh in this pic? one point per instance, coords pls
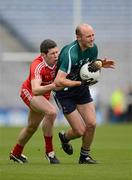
(42, 105)
(88, 113)
(75, 121)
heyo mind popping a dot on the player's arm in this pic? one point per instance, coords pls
(37, 89)
(99, 63)
(62, 81)
(108, 63)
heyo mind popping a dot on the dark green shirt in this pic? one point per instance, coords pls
(71, 59)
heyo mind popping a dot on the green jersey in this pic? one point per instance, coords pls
(71, 59)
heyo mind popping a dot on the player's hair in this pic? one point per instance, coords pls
(46, 45)
(78, 31)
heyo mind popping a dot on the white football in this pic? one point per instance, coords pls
(85, 74)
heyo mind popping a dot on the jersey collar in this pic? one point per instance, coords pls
(46, 65)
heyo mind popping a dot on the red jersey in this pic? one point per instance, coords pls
(39, 69)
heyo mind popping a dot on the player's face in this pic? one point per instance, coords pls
(87, 38)
(52, 56)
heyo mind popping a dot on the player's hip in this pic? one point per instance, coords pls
(75, 92)
(26, 94)
(68, 101)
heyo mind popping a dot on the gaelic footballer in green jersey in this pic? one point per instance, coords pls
(75, 99)
(72, 58)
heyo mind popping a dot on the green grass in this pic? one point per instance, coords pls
(112, 146)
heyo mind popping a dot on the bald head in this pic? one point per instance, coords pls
(83, 28)
(85, 36)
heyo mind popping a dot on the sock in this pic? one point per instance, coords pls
(84, 152)
(17, 149)
(48, 144)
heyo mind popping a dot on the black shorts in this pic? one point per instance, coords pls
(69, 99)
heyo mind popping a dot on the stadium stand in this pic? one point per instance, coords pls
(24, 24)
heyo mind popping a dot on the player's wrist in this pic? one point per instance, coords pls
(84, 83)
(52, 86)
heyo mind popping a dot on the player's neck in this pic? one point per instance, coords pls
(82, 47)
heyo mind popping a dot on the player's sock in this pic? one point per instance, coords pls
(84, 153)
(85, 157)
(48, 144)
(17, 149)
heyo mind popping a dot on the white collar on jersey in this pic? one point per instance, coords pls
(47, 64)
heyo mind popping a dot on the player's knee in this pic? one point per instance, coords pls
(52, 113)
(91, 125)
(80, 131)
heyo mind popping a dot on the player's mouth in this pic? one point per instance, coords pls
(90, 44)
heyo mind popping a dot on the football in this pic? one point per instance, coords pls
(85, 74)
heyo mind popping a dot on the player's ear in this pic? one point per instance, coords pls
(43, 54)
(78, 37)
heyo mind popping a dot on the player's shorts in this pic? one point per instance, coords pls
(26, 95)
(73, 97)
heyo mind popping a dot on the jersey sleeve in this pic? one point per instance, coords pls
(64, 62)
(35, 71)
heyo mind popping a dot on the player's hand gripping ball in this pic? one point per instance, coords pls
(95, 65)
(90, 72)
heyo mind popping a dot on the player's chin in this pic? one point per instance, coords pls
(90, 45)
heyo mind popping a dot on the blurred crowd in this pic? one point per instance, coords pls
(120, 106)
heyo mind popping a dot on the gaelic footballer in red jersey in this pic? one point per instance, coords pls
(35, 92)
(39, 70)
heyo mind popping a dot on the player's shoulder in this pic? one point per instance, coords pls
(37, 63)
(37, 60)
(69, 47)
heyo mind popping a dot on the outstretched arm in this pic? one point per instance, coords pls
(108, 63)
(99, 63)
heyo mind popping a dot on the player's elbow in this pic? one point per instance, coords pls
(35, 92)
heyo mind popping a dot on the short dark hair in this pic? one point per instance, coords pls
(46, 45)
(77, 31)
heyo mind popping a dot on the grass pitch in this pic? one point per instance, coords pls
(112, 146)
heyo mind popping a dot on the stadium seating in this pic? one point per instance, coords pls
(34, 21)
